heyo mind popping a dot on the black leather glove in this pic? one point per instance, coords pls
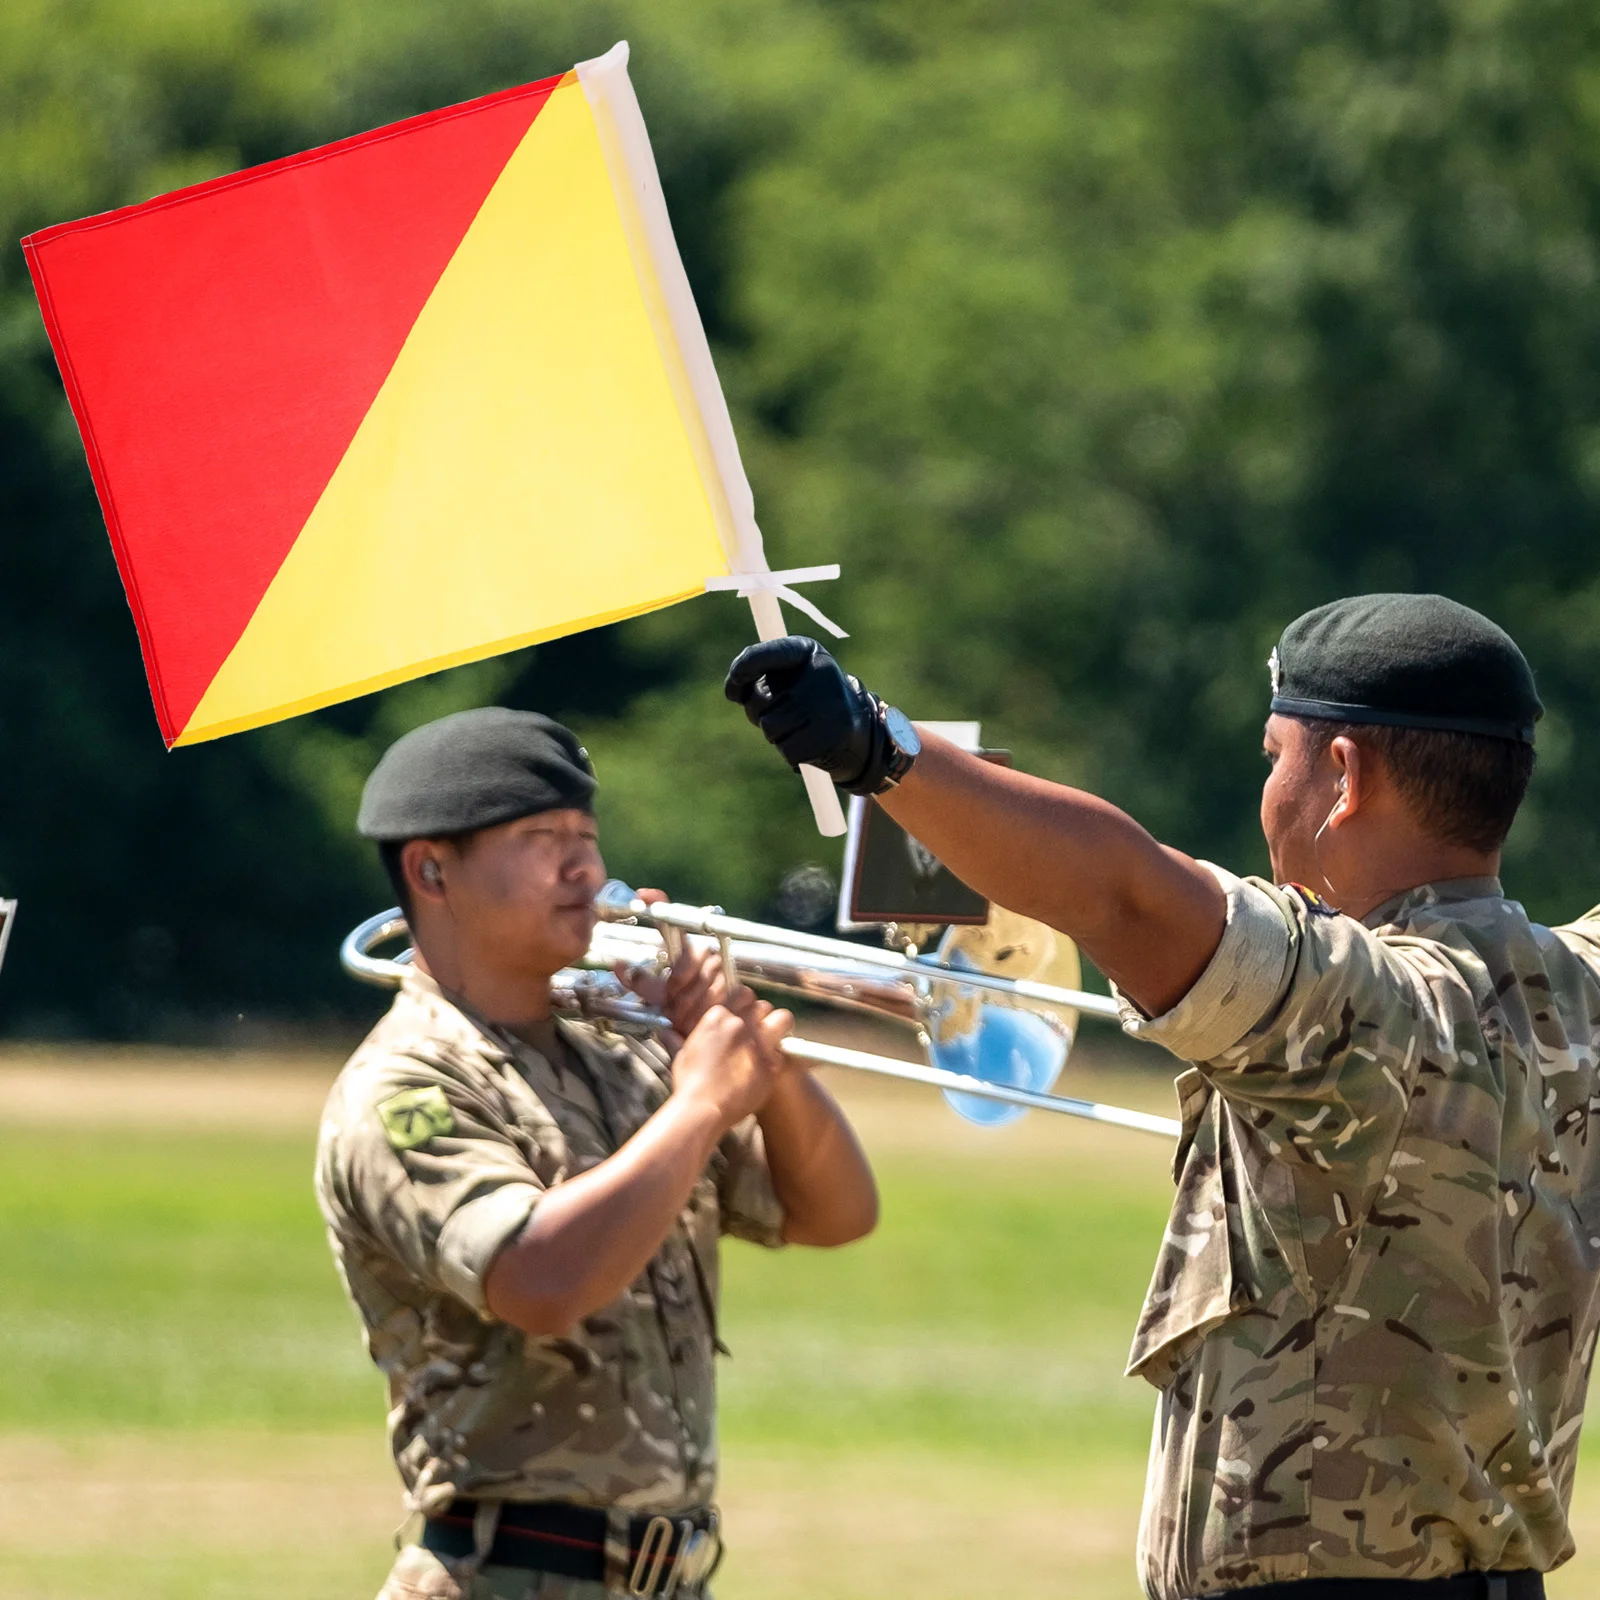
(813, 711)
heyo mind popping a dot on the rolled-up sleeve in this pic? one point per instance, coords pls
(1315, 1019)
(750, 1207)
(1583, 939)
(1244, 980)
(474, 1234)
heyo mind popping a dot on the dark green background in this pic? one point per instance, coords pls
(1095, 339)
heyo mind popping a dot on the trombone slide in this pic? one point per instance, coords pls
(832, 1055)
(840, 974)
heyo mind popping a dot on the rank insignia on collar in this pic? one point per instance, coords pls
(1275, 670)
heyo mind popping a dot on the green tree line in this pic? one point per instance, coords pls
(1096, 340)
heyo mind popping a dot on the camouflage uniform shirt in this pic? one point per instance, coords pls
(438, 1140)
(1373, 1313)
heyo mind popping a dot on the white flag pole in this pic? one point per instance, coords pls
(692, 373)
(819, 787)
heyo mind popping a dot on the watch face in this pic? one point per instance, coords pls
(898, 726)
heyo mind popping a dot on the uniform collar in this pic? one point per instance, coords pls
(419, 985)
(414, 981)
(1448, 891)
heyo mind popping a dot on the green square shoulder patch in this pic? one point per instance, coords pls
(415, 1116)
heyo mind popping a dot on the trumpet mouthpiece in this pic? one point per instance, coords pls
(615, 901)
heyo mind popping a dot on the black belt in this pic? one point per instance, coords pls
(1463, 1586)
(666, 1555)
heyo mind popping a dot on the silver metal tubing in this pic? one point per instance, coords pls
(832, 1055)
(8, 915)
(604, 999)
(834, 975)
(717, 925)
(355, 956)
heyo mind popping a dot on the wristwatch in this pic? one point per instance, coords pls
(903, 745)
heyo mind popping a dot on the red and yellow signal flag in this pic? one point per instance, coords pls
(406, 401)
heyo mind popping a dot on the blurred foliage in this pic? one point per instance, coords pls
(1095, 340)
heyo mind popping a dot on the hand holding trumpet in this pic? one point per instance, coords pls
(727, 1043)
(733, 1057)
(683, 992)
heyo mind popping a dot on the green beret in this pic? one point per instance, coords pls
(473, 770)
(1405, 661)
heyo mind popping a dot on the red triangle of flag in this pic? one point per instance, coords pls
(221, 345)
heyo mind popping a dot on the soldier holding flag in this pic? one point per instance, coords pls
(1376, 1302)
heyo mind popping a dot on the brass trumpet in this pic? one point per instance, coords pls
(997, 1030)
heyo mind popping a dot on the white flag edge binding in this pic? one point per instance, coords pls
(691, 372)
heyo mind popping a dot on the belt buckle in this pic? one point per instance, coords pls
(651, 1560)
(698, 1552)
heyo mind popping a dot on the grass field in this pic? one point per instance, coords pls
(185, 1410)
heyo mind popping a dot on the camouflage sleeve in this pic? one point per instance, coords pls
(749, 1204)
(1314, 1019)
(426, 1168)
(1583, 939)
(1246, 977)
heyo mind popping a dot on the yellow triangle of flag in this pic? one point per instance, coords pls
(523, 472)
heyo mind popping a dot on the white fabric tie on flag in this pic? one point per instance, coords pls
(746, 584)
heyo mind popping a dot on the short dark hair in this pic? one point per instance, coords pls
(389, 854)
(1463, 788)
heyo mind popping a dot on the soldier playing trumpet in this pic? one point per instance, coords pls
(526, 1213)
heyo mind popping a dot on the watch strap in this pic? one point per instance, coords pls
(896, 761)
